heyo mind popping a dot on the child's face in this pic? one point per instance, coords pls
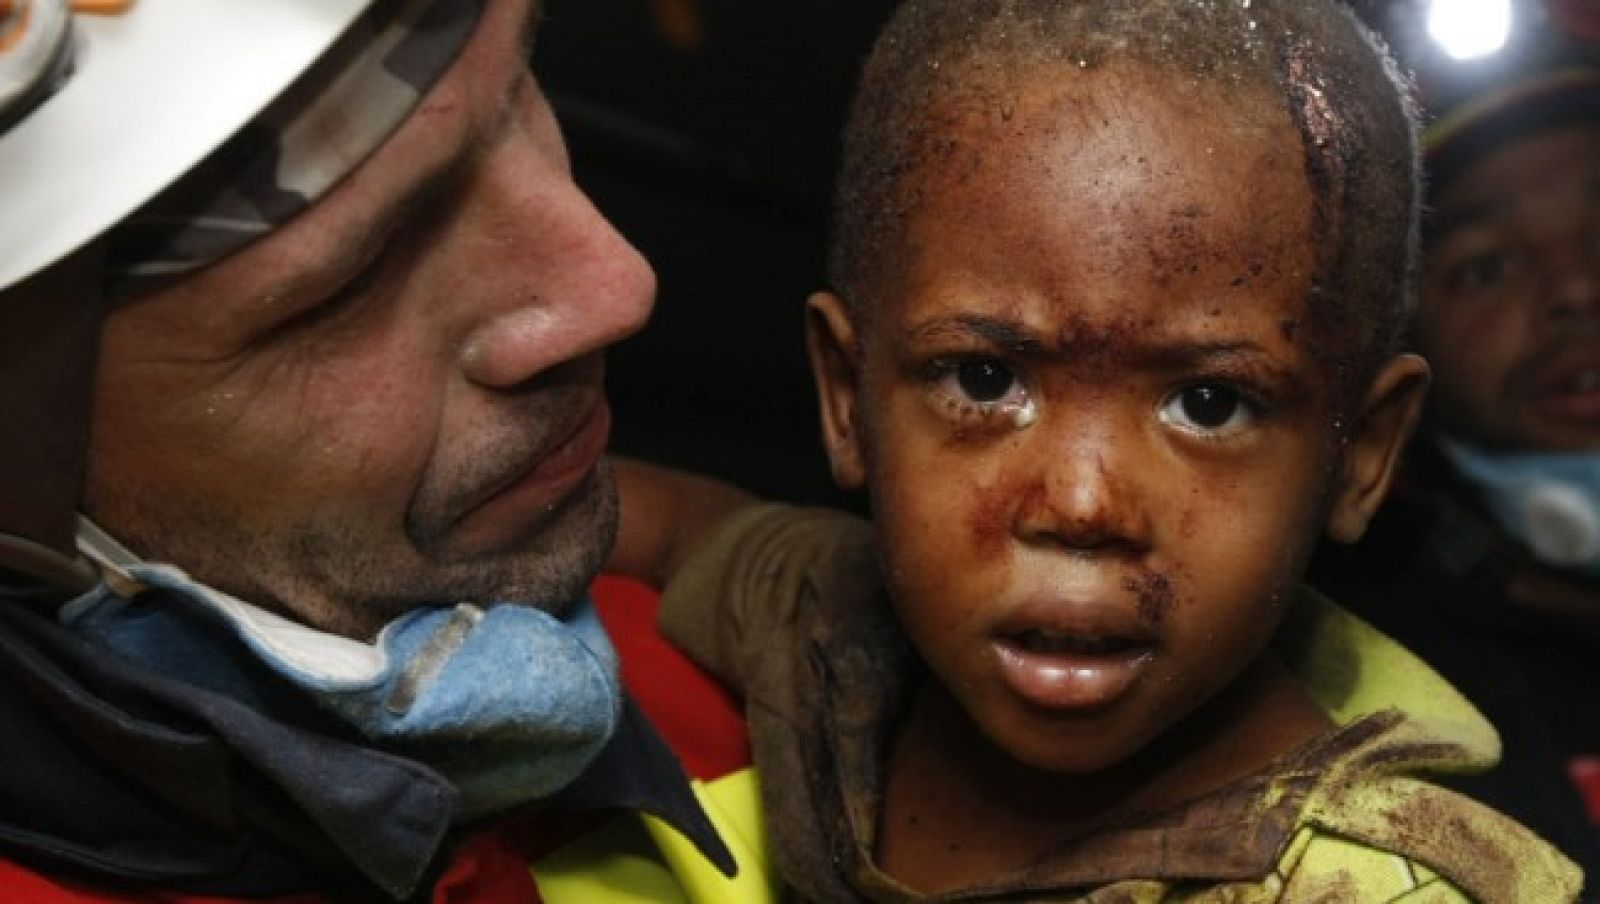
(1510, 313)
(1098, 444)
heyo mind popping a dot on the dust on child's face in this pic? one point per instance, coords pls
(1097, 441)
(1510, 313)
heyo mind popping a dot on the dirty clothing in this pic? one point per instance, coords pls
(1519, 639)
(787, 606)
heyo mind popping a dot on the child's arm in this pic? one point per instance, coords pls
(665, 516)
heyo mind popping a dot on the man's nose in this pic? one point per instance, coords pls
(1084, 499)
(566, 284)
(1572, 287)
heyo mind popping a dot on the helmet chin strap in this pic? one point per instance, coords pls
(49, 346)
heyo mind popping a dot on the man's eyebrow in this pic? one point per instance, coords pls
(1472, 214)
(378, 229)
(395, 212)
(1468, 216)
(526, 36)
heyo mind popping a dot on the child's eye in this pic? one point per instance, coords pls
(980, 389)
(984, 380)
(1210, 408)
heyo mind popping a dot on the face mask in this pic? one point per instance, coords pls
(1548, 501)
(509, 703)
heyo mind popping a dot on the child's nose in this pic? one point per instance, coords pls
(1082, 502)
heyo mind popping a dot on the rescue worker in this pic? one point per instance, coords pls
(301, 447)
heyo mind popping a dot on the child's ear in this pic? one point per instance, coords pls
(1378, 436)
(831, 344)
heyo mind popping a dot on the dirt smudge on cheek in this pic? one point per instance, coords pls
(988, 518)
(1188, 522)
(995, 512)
(1155, 595)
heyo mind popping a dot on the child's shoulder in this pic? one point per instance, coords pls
(1398, 838)
(763, 578)
(768, 553)
(1373, 828)
(776, 531)
(1354, 671)
(1322, 866)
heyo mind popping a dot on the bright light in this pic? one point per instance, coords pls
(1468, 29)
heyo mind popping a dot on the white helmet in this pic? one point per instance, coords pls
(99, 116)
(151, 92)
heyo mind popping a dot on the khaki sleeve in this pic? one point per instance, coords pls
(751, 585)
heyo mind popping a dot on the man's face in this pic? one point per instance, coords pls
(396, 398)
(1510, 310)
(1097, 440)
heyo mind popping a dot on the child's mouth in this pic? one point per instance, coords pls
(1060, 643)
(1061, 670)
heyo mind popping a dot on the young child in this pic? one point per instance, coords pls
(1118, 290)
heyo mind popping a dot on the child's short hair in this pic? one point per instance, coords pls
(1338, 85)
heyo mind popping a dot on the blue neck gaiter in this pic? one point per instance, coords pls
(1549, 502)
(509, 703)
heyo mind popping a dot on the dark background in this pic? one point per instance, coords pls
(707, 131)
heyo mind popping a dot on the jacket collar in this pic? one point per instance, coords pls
(136, 777)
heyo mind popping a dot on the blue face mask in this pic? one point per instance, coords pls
(1550, 502)
(509, 703)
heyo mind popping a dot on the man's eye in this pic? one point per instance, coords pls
(1482, 271)
(1208, 408)
(984, 380)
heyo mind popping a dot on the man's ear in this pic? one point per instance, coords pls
(1378, 437)
(835, 365)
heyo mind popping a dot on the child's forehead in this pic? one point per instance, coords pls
(932, 104)
(1111, 90)
(1086, 215)
(1102, 178)
(1118, 135)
